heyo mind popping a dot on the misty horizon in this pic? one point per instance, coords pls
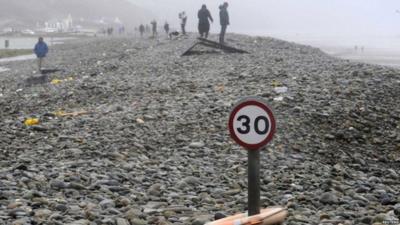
(311, 17)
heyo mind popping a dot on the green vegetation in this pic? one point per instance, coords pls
(5, 53)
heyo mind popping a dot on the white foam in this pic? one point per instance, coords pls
(3, 69)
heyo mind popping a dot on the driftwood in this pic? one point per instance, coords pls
(213, 44)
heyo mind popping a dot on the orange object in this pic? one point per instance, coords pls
(269, 216)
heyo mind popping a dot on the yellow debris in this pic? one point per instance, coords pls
(31, 121)
(276, 83)
(56, 81)
(62, 113)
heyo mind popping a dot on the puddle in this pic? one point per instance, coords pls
(18, 58)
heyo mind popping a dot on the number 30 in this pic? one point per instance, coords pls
(246, 124)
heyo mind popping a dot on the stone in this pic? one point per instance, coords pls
(121, 221)
(196, 145)
(329, 198)
(107, 203)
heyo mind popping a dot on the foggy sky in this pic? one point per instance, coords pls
(264, 17)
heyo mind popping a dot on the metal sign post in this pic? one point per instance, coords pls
(252, 125)
(253, 173)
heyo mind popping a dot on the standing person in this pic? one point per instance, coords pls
(154, 27)
(41, 51)
(141, 30)
(183, 18)
(166, 28)
(224, 20)
(204, 25)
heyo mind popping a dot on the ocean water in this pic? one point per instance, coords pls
(29, 42)
(374, 49)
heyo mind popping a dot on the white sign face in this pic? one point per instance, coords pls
(251, 124)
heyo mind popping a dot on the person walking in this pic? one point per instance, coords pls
(41, 49)
(183, 18)
(224, 20)
(154, 27)
(205, 17)
(166, 28)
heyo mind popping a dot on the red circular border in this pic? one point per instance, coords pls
(262, 105)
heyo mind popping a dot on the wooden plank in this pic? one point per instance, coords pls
(190, 49)
(224, 47)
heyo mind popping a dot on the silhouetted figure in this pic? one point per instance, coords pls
(183, 18)
(141, 30)
(154, 27)
(110, 31)
(41, 49)
(224, 20)
(204, 24)
(356, 48)
(166, 28)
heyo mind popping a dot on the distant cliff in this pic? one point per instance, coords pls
(27, 13)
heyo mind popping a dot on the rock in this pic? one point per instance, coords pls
(107, 203)
(42, 214)
(79, 222)
(138, 222)
(57, 184)
(155, 189)
(219, 215)
(121, 221)
(366, 220)
(61, 207)
(197, 145)
(329, 198)
(397, 209)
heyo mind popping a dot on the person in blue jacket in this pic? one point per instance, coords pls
(41, 51)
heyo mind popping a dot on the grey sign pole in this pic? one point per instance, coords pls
(253, 170)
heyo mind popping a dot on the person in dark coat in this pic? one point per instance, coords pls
(204, 21)
(224, 20)
(154, 27)
(141, 30)
(166, 28)
(183, 18)
(41, 49)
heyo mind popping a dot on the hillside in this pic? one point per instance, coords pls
(26, 13)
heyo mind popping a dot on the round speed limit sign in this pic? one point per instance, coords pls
(252, 124)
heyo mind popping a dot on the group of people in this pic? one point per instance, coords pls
(205, 17)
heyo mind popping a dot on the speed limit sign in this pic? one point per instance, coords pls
(252, 124)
